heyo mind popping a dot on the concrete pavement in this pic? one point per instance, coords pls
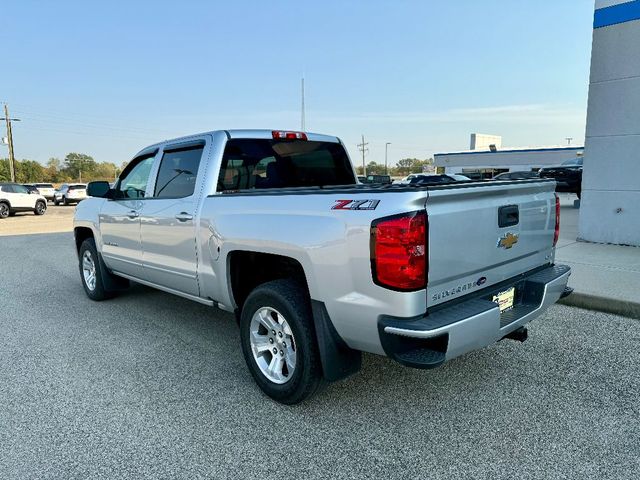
(604, 277)
(149, 385)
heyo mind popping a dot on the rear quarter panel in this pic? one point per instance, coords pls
(331, 245)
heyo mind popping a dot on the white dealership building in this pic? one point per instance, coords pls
(610, 210)
(487, 160)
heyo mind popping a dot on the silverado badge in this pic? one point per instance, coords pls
(507, 241)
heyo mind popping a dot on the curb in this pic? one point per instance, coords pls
(602, 304)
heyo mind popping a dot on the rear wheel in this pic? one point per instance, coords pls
(4, 210)
(41, 207)
(64, 201)
(55, 201)
(91, 272)
(278, 341)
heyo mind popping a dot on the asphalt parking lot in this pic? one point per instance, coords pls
(153, 385)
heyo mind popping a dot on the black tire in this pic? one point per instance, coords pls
(55, 202)
(41, 207)
(64, 201)
(288, 298)
(98, 293)
(5, 211)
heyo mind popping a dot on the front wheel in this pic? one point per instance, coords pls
(278, 341)
(41, 207)
(91, 271)
(4, 210)
(65, 202)
(55, 201)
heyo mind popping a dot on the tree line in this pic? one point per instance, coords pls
(78, 167)
(403, 168)
(75, 167)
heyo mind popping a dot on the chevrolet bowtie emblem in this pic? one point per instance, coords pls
(507, 241)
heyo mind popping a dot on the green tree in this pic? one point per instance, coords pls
(78, 164)
(5, 173)
(104, 171)
(407, 165)
(29, 171)
(411, 165)
(52, 169)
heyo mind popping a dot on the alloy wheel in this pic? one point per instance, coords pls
(273, 345)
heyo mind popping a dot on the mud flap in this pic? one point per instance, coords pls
(112, 283)
(338, 360)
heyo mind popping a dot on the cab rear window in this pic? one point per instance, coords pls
(263, 163)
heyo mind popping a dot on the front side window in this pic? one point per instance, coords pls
(134, 182)
(178, 172)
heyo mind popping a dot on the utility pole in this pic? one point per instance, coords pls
(302, 122)
(363, 148)
(8, 120)
(385, 157)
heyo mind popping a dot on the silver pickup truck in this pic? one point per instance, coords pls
(274, 226)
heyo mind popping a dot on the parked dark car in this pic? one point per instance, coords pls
(524, 175)
(437, 179)
(568, 176)
(377, 179)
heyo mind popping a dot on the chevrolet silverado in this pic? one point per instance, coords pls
(317, 267)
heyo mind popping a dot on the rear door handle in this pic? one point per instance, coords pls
(133, 214)
(184, 216)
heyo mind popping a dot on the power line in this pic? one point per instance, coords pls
(302, 119)
(363, 148)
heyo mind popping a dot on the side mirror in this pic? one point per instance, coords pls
(99, 189)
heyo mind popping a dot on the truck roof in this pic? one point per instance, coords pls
(241, 133)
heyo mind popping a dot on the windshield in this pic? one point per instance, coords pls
(574, 162)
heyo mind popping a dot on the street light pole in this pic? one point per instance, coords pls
(385, 158)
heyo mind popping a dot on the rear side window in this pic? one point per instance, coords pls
(178, 172)
(263, 163)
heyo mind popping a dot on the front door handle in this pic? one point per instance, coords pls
(133, 214)
(184, 216)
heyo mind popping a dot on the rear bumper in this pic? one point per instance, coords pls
(451, 331)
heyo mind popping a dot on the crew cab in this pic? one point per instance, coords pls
(17, 198)
(274, 227)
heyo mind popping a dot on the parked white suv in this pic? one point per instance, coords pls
(16, 198)
(70, 193)
(45, 189)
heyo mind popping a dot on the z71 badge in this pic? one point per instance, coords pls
(355, 205)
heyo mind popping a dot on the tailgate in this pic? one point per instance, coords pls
(482, 234)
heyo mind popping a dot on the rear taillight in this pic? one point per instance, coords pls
(399, 251)
(556, 234)
(282, 135)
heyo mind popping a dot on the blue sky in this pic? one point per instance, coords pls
(108, 78)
